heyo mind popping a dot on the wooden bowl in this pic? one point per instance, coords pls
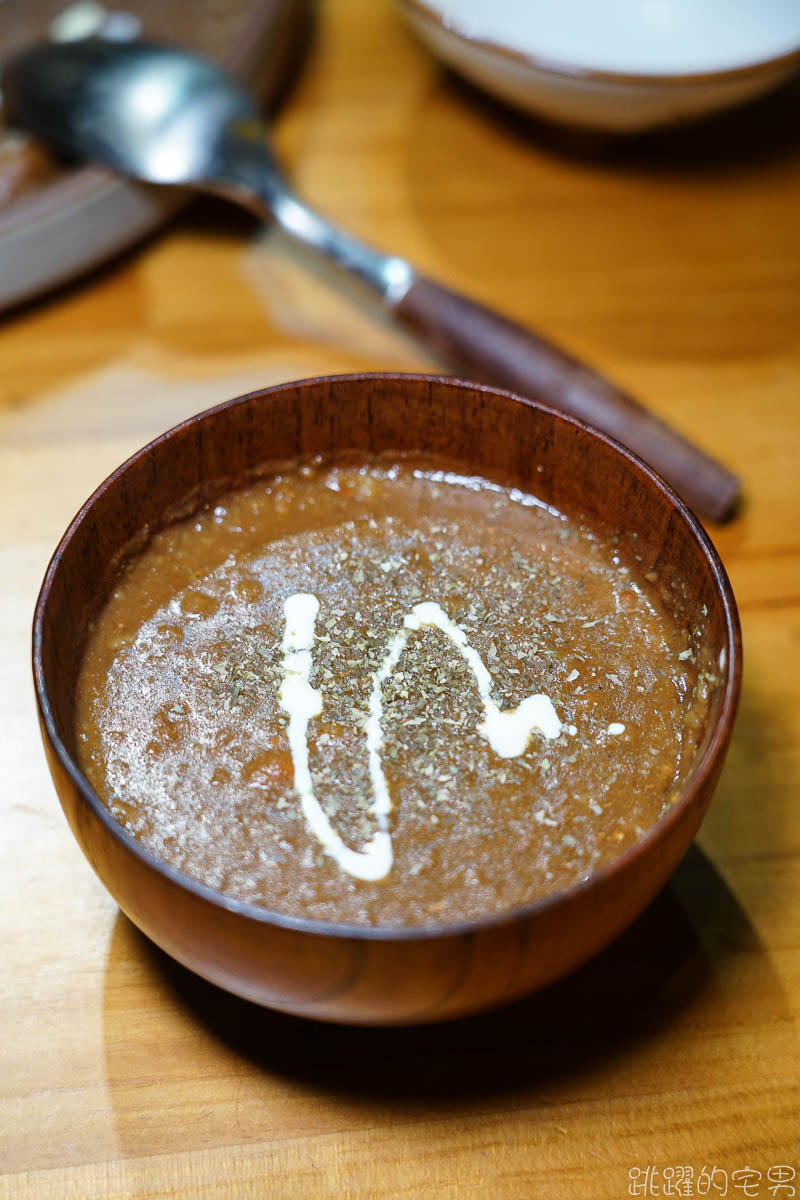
(380, 975)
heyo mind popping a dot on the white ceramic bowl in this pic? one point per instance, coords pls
(622, 66)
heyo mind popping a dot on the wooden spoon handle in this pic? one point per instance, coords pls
(484, 345)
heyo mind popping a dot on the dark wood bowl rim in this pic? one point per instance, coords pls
(701, 770)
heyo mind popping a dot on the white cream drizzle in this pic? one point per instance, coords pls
(507, 731)
(302, 702)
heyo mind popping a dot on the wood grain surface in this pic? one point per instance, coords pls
(673, 265)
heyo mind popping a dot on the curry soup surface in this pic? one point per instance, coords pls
(383, 693)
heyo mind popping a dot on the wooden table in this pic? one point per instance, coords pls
(675, 267)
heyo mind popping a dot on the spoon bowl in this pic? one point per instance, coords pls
(144, 109)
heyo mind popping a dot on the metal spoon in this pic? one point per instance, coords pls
(164, 115)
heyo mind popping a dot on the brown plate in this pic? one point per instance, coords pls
(380, 975)
(58, 222)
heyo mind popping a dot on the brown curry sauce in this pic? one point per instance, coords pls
(182, 733)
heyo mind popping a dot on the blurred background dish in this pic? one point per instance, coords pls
(58, 222)
(624, 66)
